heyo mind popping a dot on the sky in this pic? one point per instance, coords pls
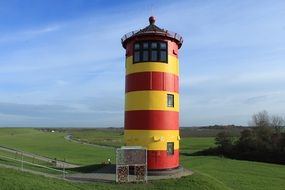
(62, 63)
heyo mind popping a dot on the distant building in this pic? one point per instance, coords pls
(152, 94)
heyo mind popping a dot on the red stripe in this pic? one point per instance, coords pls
(159, 160)
(151, 120)
(172, 46)
(152, 81)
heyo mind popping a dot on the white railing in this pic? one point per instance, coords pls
(33, 164)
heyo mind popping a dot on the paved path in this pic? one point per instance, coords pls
(69, 138)
(108, 174)
(59, 164)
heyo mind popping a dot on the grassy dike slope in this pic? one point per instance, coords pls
(15, 180)
(210, 172)
(53, 145)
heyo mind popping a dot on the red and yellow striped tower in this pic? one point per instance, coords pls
(152, 94)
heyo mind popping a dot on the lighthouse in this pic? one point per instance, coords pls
(152, 94)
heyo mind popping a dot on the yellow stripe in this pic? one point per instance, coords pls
(150, 100)
(152, 139)
(171, 67)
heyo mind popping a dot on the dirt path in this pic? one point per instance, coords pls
(59, 164)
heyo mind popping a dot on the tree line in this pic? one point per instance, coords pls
(264, 141)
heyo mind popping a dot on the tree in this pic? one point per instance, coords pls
(264, 142)
(277, 123)
(261, 119)
(224, 140)
(263, 131)
(246, 141)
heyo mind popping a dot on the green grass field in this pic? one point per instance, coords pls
(101, 137)
(12, 180)
(53, 145)
(210, 172)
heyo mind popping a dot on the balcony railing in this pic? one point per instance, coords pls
(164, 33)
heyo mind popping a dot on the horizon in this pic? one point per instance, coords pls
(55, 56)
(122, 127)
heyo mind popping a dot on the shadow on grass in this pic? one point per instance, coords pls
(207, 152)
(252, 155)
(87, 169)
(187, 154)
(95, 168)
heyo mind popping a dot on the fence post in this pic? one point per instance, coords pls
(22, 164)
(63, 169)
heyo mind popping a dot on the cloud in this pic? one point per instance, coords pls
(32, 109)
(12, 114)
(61, 82)
(71, 72)
(261, 77)
(256, 99)
(22, 36)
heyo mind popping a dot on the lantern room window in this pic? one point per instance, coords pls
(146, 51)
